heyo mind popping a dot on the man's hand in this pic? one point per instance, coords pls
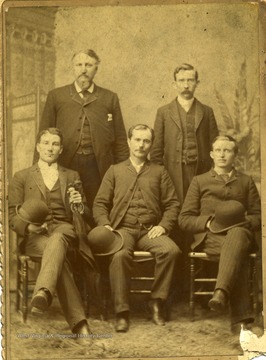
(74, 196)
(208, 224)
(109, 227)
(156, 231)
(37, 229)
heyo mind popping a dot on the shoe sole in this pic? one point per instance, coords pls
(37, 312)
(216, 306)
(121, 330)
(40, 303)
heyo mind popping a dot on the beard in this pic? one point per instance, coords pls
(84, 82)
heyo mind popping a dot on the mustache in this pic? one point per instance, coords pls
(83, 75)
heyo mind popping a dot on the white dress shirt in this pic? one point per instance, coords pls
(49, 173)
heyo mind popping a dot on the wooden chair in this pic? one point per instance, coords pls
(141, 280)
(26, 280)
(24, 283)
(202, 285)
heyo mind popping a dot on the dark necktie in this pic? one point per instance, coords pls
(85, 94)
(225, 177)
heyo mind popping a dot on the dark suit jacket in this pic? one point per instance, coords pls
(205, 193)
(27, 184)
(64, 109)
(167, 147)
(114, 196)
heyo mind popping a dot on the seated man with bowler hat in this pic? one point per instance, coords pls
(222, 211)
(137, 202)
(41, 200)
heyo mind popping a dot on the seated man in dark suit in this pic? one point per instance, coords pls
(233, 196)
(138, 199)
(51, 185)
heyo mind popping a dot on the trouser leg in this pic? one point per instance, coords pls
(165, 252)
(52, 249)
(69, 297)
(120, 271)
(234, 248)
(234, 255)
(240, 297)
(87, 167)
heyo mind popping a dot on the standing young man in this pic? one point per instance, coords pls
(184, 130)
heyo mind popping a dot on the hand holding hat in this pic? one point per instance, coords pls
(228, 214)
(103, 241)
(33, 212)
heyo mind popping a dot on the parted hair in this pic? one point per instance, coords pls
(88, 52)
(51, 130)
(140, 127)
(228, 138)
(185, 66)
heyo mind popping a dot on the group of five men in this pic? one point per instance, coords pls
(129, 195)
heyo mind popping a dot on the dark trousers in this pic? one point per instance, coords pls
(86, 166)
(55, 273)
(233, 248)
(188, 172)
(165, 252)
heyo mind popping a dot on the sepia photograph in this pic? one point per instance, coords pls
(133, 179)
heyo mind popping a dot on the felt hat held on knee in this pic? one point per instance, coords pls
(103, 241)
(33, 211)
(228, 214)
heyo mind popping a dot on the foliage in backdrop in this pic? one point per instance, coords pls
(243, 124)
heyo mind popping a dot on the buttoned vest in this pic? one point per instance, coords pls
(137, 211)
(85, 145)
(54, 201)
(189, 152)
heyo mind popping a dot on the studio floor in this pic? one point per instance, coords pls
(49, 336)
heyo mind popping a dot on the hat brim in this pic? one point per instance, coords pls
(25, 220)
(118, 244)
(215, 229)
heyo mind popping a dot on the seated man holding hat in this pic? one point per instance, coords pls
(136, 208)
(40, 201)
(222, 211)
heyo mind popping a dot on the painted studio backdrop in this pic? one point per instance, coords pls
(139, 48)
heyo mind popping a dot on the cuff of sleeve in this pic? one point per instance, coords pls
(201, 222)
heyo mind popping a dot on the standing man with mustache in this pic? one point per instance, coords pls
(184, 130)
(91, 121)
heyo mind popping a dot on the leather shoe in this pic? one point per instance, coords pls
(156, 309)
(40, 301)
(218, 301)
(122, 322)
(83, 334)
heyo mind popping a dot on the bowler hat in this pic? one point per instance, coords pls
(103, 241)
(228, 214)
(33, 211)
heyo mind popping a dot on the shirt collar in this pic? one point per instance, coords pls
(137, 166)
(185, 103)
(44, 165)
(79, 90)
(219, 173)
